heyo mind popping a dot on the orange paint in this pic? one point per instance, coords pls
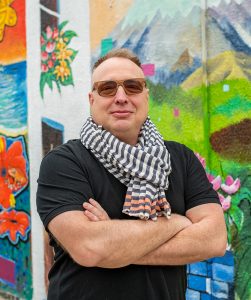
(13, 45)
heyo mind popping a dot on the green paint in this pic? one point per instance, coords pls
(106, 46)
(233, 106)
(242, 254)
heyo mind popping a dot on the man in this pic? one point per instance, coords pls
(105, 199)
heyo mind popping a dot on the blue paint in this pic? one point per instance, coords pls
(220, 289)
(53, 124)
(197, 283)
(232, 36)
(223, 273)
(205, 297)
(226, 88)
(192, 295)
(227, 259)
(199, 268)
(13, 96)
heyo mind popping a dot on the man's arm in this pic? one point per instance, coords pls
(205, 238)
(111, 243)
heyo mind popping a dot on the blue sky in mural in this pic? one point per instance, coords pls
(13, 104)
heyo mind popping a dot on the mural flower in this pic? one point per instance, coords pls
(8, 16)
(56, 57)
(225, 201)
(62, 71)
(231, 186)
(14, 224)
(231, 195)
(7, 199)
(201, 159)
(12, 165)
(216, 181)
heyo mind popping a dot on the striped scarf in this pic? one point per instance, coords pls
(143, 168)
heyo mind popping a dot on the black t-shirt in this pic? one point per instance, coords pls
(70, 175)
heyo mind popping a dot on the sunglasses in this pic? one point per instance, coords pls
(108, 88)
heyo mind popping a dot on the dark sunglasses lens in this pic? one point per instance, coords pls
(133, 86)
(107, 88)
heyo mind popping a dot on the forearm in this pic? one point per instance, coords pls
(197, 242)
(120, 243)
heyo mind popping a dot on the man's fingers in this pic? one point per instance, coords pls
(91, 216)
(96, 204)
(95, 208)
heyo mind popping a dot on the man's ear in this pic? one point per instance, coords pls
(91, 99)
(147, 90)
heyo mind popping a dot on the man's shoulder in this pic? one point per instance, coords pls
(174, 146)
(70, 147)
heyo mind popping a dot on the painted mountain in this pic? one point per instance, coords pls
(227, 65)
(175, 41)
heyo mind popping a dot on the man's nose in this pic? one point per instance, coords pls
(121, 95)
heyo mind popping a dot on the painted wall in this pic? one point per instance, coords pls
(15, 211)
(197, 62)
(44, 83)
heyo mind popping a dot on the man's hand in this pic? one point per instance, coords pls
(94, 211)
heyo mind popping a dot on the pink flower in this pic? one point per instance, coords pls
(50, 64)
(225, 202)
(42, 41)
(201, 159)
(231, 186)
(55, 33)
(44, 55)
(50, 47)
(176, 112)
(53, 56)
(216, 181)
(44, 68)
(48, 32)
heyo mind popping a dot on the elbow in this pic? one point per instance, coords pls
(221, 250)
(221, 245)
(86, 258)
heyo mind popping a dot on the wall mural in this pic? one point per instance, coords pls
(15, 221)
(197, 63)
(56, 57)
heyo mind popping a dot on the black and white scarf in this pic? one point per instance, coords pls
(143, 168)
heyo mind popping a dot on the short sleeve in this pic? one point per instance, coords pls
(62, 185)
(198, 189)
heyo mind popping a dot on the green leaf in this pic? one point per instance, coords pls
(69, 34)
(61, 25)
(74, 53)
(44, 35)
(237, 217)
(58, 86)
(49, 80)
(242, 254)
(229, 236)
(67, 81)
(42, 84)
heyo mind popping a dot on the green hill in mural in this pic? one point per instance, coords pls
(228, 65)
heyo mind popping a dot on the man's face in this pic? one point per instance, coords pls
(121, 114)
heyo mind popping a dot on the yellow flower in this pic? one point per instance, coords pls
(60, 44)
(8, 16)
(65, 54)
(62, 71)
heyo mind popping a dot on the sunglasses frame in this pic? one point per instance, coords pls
(119, 83)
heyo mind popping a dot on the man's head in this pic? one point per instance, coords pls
(119, 97)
